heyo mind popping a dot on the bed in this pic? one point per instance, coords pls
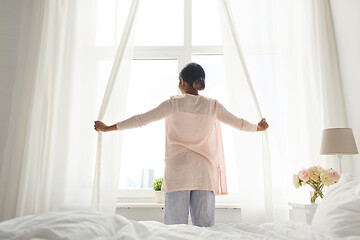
(92, 225)
(337, 217)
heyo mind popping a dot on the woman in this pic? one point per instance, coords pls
(194, 160)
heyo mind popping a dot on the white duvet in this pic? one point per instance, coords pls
(92, 225)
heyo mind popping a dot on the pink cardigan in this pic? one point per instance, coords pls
(194, 157)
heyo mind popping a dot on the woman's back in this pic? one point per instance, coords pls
(191, 120)
(194, 152)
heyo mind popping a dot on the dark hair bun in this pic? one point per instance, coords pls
(194, 75)
(199, 84)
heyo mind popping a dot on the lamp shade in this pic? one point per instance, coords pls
(338, 141)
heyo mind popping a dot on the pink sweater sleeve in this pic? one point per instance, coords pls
(227, 117)
(140, 120)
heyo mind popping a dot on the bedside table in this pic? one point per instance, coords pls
(302, 212)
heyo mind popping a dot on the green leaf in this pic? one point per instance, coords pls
(157, 183)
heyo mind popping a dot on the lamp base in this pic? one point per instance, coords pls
(339, 158)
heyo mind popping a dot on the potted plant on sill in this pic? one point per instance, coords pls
(159, 195)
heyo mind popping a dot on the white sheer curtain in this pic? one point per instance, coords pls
(252, 153)
(291, 55)
(310, 74)
(49, 157)
(26, 171)
(107, 168)
(316, 65)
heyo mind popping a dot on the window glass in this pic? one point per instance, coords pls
(160, 23)
(111, 17)
(206, 27)
(143, 149)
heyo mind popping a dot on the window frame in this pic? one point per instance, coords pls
(183, 54)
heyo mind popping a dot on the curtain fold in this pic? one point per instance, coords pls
(24, 82)
(329, 70)
(49, 157)
(108, 178)
(234, 61)
(31, 137)
(290, 53)
(34, 186)
(37, 161)
(309, 52)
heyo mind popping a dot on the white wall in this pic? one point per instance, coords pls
(346, 19)
(9, 32)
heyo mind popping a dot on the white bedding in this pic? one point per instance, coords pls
(91, 225)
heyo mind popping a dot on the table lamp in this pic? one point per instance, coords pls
(338, 141)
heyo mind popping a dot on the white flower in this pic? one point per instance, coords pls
(326, 178)
(314, 173)
(296, 181)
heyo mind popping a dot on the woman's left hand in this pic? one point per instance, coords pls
(100, 126)
(262, 125)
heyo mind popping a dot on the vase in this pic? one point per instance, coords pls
(159, 197)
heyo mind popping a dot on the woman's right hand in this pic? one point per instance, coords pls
(262, 125)
(100, 126)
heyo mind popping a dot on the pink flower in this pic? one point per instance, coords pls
(303, 175)
(326, 178)
(335, 176)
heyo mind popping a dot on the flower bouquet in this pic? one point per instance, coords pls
(317, 177)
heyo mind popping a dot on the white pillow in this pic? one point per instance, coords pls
(339, 211)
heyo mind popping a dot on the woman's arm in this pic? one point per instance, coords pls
(227, 117)
(160, 112)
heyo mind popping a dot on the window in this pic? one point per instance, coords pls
(162, 48)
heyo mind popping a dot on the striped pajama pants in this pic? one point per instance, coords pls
(200, 203)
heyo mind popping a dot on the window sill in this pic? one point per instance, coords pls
(139, 197)
(224, 212)
(156, 205)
